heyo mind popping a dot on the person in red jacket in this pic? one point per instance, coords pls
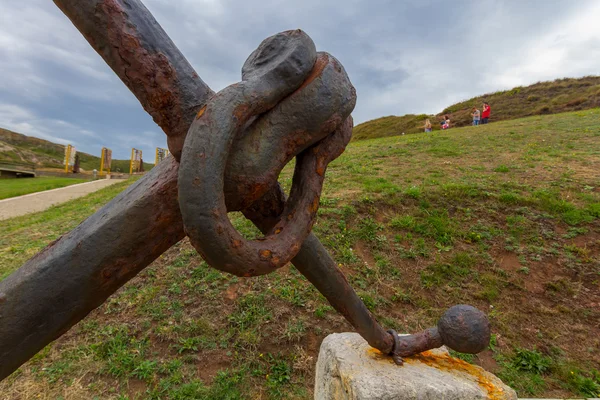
(485, 114)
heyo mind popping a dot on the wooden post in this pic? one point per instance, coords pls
(102, 160)
(131, 161)
(67, 157)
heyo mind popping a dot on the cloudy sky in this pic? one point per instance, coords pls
(403, 56)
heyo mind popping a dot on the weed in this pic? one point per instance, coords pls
(188, 344)
(531, 361)
(279, 372)
(321, 311)
(524, 270)
(413, 192)
(585, 384)
(295, 330)
(403, 222)
(402, 296)
(144, 370)
(368, 229)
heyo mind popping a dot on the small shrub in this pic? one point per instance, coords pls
(533, 98)
(515, 91)
(509, 198)
(280, 372)
(585, 385)
(531, 361)
(188, 344)
(544, 110)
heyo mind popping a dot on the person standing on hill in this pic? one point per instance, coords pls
(427, 126)
(446, 122)
(485, 115)
(476, 114)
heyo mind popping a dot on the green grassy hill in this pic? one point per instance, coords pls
(16, 147)
(541, 98)
(505, 217)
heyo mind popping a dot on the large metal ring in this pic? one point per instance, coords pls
(281, 65)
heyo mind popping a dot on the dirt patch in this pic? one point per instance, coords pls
(211, 362)
(508, 261)
(135, 388)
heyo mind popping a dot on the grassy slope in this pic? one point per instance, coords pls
(556, 96)
(19, 187)
(15, 147)
(505, 217)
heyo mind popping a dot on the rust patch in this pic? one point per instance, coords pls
(242, 112)
(320, 169)
(314, 207)
(150, 76)
(320, 64)
(265, 254)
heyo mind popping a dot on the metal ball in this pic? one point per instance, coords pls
(465, 329)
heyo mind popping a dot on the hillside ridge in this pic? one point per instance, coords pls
(550, 97)
(20, 148)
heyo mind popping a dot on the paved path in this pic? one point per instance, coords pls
(40, 201)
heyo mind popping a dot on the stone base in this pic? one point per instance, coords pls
(349, 369)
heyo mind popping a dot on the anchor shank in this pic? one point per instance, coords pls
(134, 45)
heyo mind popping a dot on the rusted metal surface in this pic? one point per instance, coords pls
(139, 51)
(303, 118)
(278, 67)
(75, 274)
(307, 97)
(462, 328)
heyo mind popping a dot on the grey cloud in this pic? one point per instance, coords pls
(402, 56)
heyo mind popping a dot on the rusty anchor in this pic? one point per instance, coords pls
(228, 150)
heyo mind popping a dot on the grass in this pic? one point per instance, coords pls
(504, 217)
(22, 237)
(560, 95)
(18, 187)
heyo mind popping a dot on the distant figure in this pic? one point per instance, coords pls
(427, 126)
(446, 122)
(476, 114)
(485, 115)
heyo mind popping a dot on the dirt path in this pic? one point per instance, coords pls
(40, 201)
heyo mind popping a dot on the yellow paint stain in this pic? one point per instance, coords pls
(447, 363)
(201, 112)
(450, 364)
(373, 352)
